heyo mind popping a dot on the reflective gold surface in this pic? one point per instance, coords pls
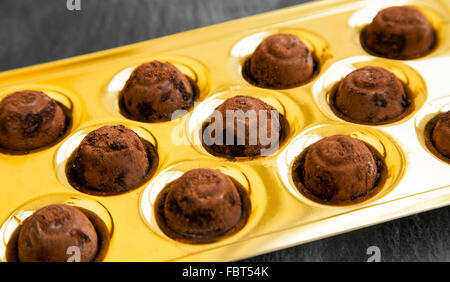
(213, 57)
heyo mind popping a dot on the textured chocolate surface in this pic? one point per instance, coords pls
(111, 159)
(400, 32)
(155, 90)
(30, 120)
(255, 117)
(202, 202)
(281, 61)
(371, 95)
(441, 134)
(46, 235)
(339, 168)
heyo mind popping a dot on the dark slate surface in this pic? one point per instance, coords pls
(33, 32)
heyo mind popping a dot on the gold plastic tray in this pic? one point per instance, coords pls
(213, 57)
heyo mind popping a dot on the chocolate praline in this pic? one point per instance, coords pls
(252, 128)
(371, 95)
(441, 135)
(109, 160)
(155, 91)
(30, 120)
(281, 61)
(399, 32)
(47, 235)
(339, 168)
(202, 203)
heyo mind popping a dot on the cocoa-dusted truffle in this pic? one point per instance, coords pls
(47, 235)
(339, 168)
(441, 134)
(400, 32)
(371, 95)
(30, 120)
(155, 91)
(281, 61)
(109, 160)
(243, 126)
(202, 203)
